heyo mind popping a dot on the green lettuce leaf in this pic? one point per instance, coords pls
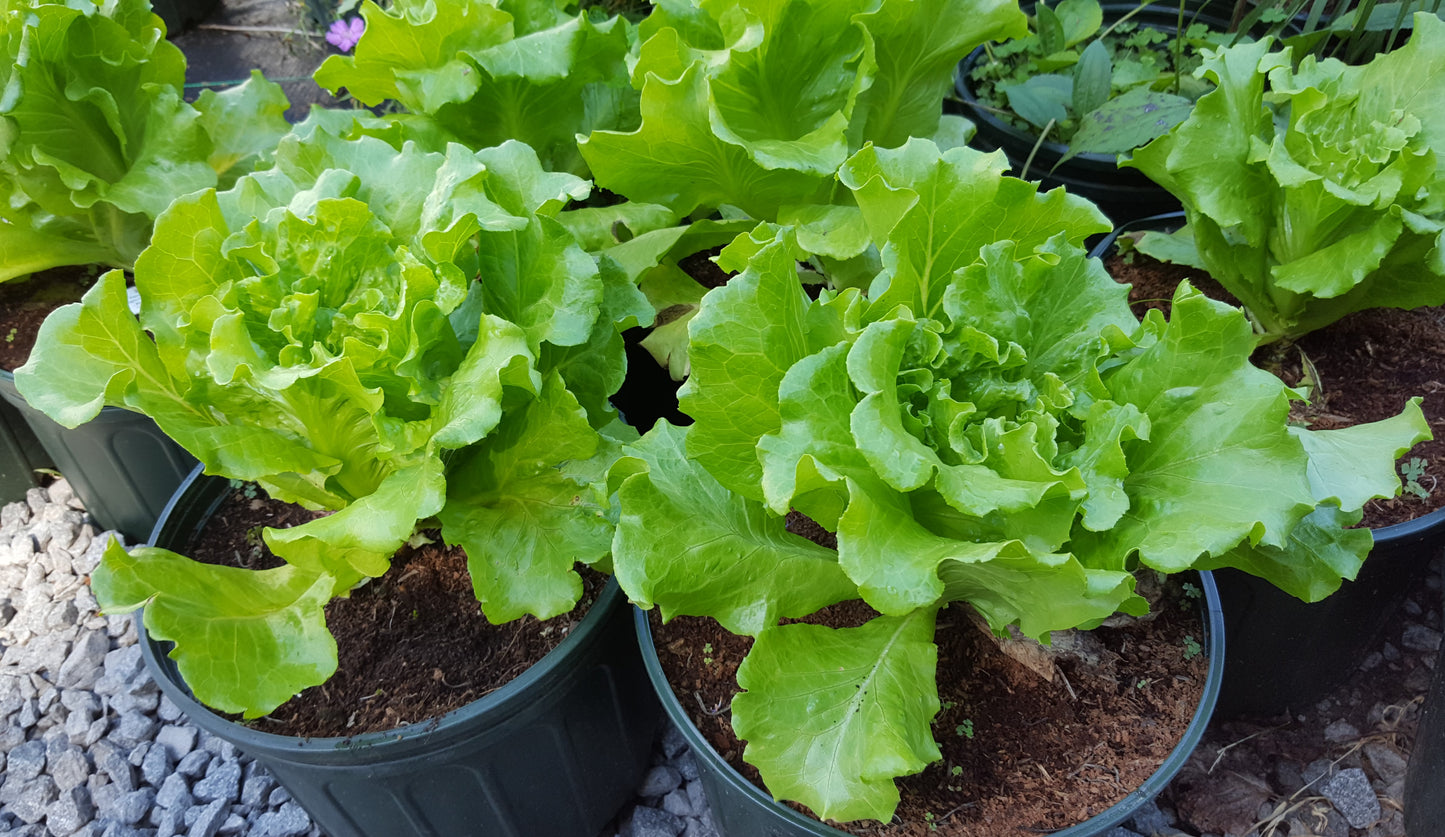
(840, 712)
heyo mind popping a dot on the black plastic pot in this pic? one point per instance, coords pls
(554, 753)
(1123, 194)
(1287, 654)
(20, 456)
(181, 15)
(122, 467)
(740, 809)
(1425, 777)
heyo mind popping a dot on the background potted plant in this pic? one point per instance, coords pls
(1311, 193)
(390, 348)
(988, 423)
(99, 143)
(1088, 83)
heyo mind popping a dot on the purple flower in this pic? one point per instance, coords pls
(344, 34)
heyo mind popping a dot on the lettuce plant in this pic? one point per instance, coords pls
(987, 423)
(401, 337)
(1315, 192)
(97, 140)
(488, 71)
(754, 104)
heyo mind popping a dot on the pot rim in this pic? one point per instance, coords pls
(481, 715)
(1212, 617)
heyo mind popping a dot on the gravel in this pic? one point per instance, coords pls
(89, 747)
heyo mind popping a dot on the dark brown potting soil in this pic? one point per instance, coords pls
(25, 303)
(411, 645)
(1020, 755)
(1369, 364)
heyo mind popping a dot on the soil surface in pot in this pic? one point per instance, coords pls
(412, 645)
(1020, 755)
(1368, 364)
(25, 303)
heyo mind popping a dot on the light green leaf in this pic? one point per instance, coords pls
(832, 716)
(747, 335)
(735, 562)
(1321, 551)
(1092, 78)
(1217, 444)
(520, 513)
(245, 641)
(1353, 465)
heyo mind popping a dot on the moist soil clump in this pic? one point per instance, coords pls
(1368, 365)
(412, 645)
(25, 303)
(1020, 754)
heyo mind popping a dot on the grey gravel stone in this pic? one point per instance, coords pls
(256, 788)
(34, 797)
(116, 766)
(687, 766)
(133, 728)
(673, 742)
(701, 827)
(1386, 761)
(223, 781)
(168, 711)
(82, 666)
(132, 807)
(179, 740)
(290, 821)
(69, 812)
(175, 793)
(659, 781)
(651, 822)
(168, 823)
(1121, 831)
(209, 820)
(1350, 792)
(1341, 730)
(70, 768)
(26, 761)
(1420, 638)
(156, 766)
(234, 824)
(194, 764)
(677, 804)
(1150, 820)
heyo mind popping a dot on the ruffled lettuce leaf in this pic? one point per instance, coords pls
(334, 328)
(754, 105)
(986, 424)
(1316, 192)
(96, 140)
(488, 71)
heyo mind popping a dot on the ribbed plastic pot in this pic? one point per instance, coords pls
(1288, 654)
(1425, 775)
(740, 809)
(122, 467)
(554, 753)
(1123, 194)
(1296, 653)
(20, 455)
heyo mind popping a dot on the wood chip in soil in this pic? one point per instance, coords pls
(1369, 364)
(1029, 756)
(412, 645)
